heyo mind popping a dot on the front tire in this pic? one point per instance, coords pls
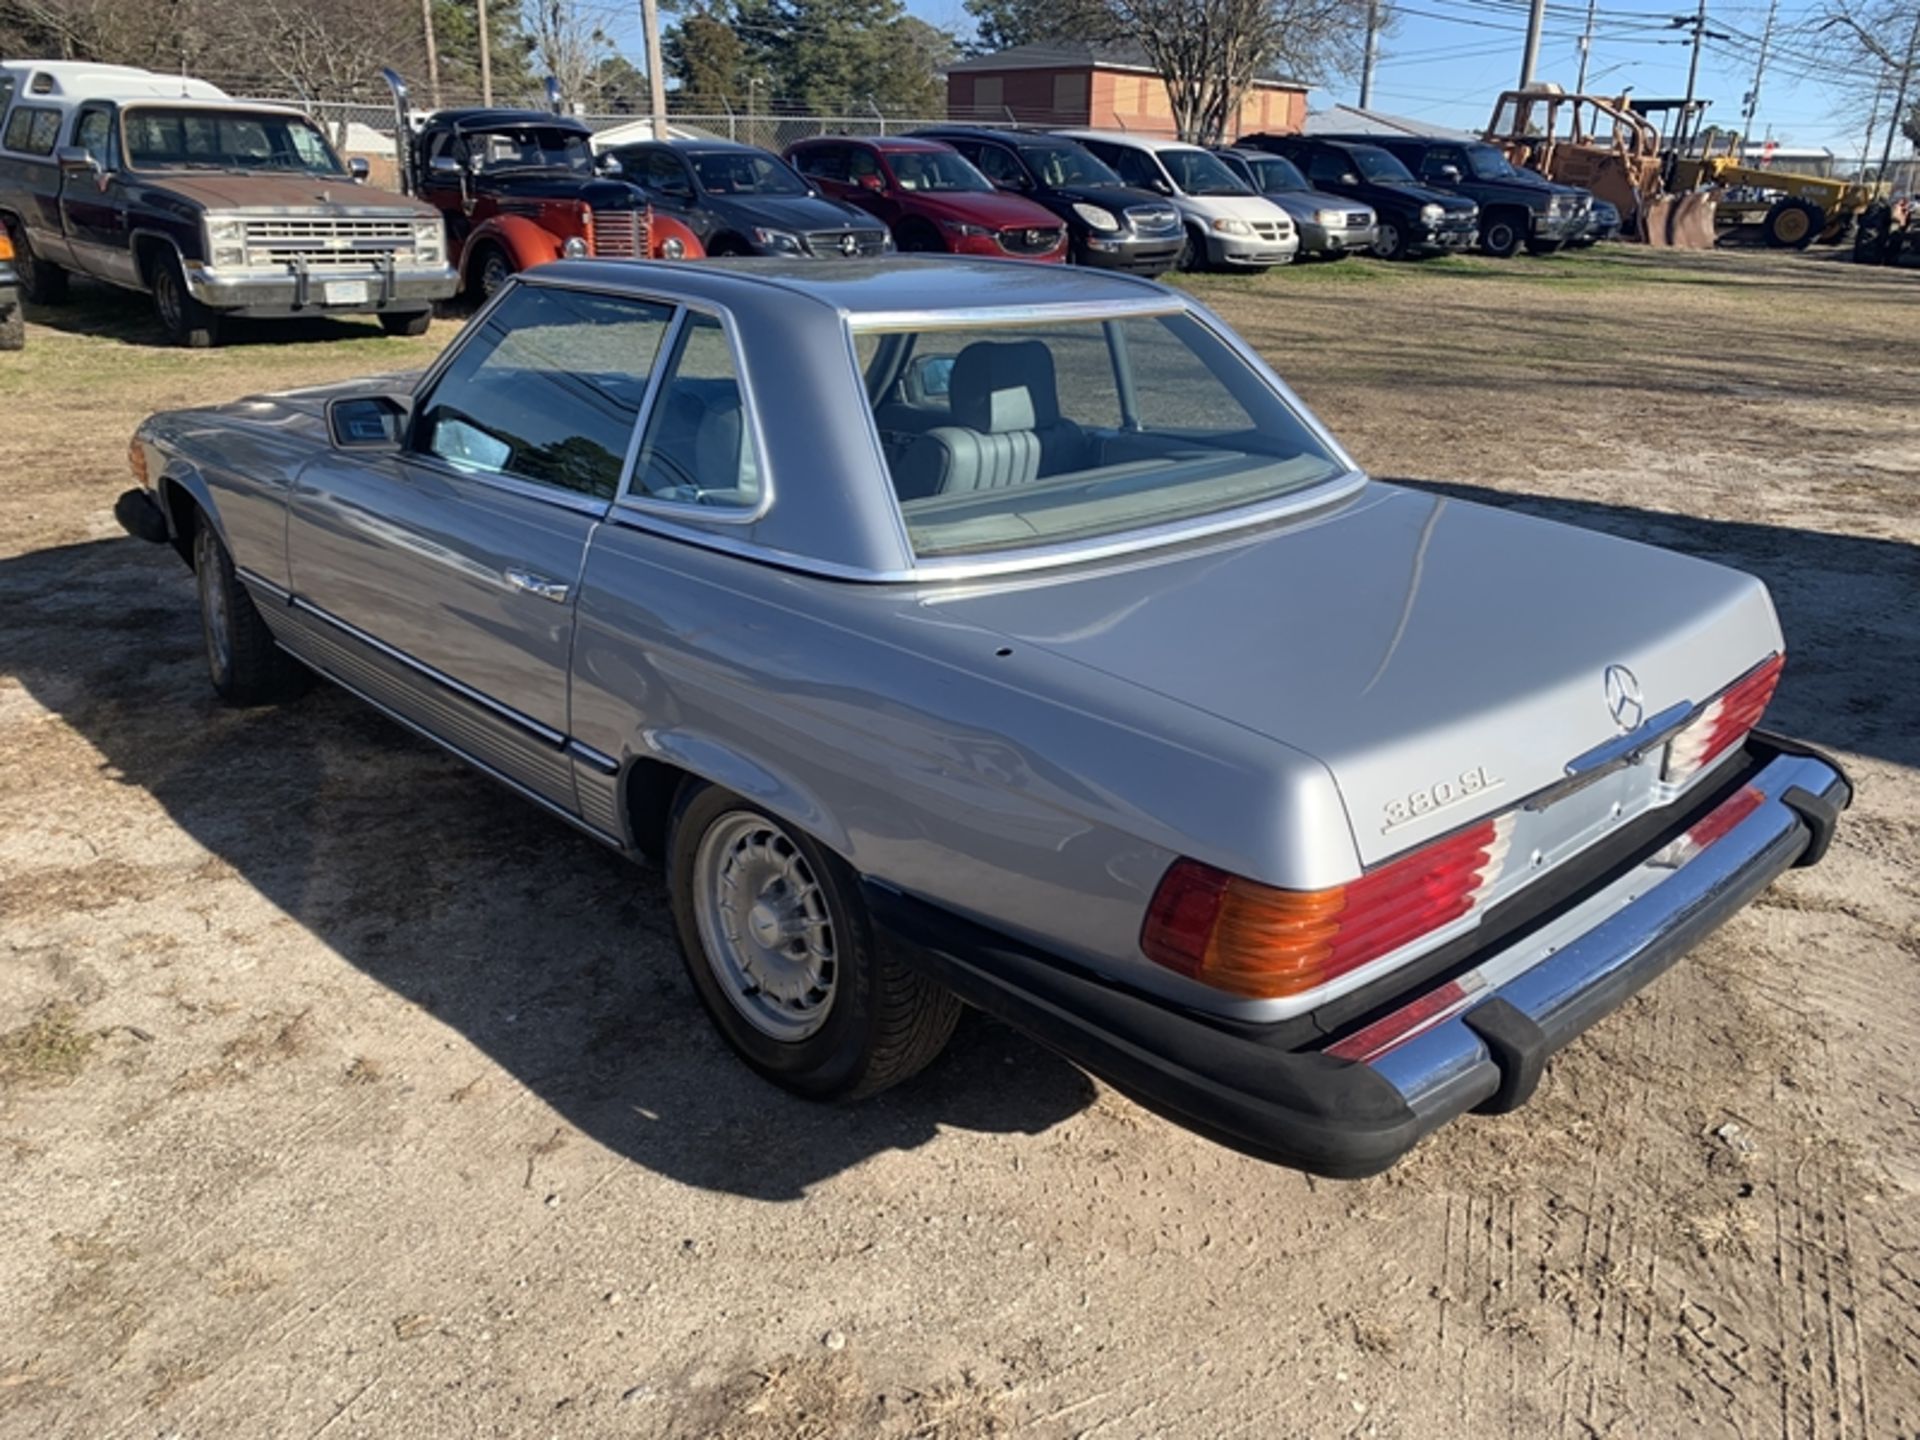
(491, 270)
(184, 319)
(1500, 236)
(779, 947)
(246, 667)
(1389, 242)
(1193, 255)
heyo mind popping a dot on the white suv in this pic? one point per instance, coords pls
(1227, 224)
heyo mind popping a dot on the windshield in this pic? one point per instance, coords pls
(1488, 163)
(1061, 165)
(1277, 176)
(1008, 437)
(1378, 165)
(940, 170)
(741, 172)
(532, 147)
(187, 139)
(1198, 173)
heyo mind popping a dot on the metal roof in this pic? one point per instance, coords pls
(1352, 120)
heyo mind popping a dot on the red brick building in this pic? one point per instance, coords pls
(1102, 85)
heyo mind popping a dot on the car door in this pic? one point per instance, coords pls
(93, 208)
(669, 185)
(1437, 161)
(451, 195)
(1331, 170)
(439, 578)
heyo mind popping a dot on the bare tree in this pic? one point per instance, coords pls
(1209, 51)
(570, 43)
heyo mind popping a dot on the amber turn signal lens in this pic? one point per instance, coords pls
(6, 244)
(137, 461)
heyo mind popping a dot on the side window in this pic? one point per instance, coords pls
(699, 445)
(996, 164)
(548, 391)
(823, 162)
(32, 130)
(666, 174)
(1328, 167)
(1136, 167)
(1165, 397)
(1438, 158)
(93, 133)
(862, 164)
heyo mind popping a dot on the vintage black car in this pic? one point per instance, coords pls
(213, 206)
(1517, 207)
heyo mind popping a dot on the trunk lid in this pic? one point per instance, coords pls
(1444, 660)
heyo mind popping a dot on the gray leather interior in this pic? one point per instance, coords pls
(698, 440)
(1007, 426)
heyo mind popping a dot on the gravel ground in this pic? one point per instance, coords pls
(342, 1093)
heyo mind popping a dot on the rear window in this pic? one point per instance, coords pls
(1006, 438)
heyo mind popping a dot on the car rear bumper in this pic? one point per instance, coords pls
(289, 292)
(1475, 1041)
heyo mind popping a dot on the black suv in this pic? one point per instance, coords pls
(1110, 224)
(1415, 221)
(742, 200)
(1517, 207)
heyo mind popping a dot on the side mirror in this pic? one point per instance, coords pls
(476, 163)
(1450, 174)
(874, 184)
(930, 377)
(76, 160)
(359, 169)
(368, 422)
(1349, 178)
(610, 166)
(444, 167)
(1162, 187)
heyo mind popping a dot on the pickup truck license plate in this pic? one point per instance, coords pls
(344, 292)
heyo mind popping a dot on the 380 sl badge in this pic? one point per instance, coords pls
(1438, 796)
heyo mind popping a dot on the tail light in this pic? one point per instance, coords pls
(1259, 941)
(1724, 723)
(137, 461)
(6, 244)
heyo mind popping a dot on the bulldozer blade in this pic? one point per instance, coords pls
(1679, 222)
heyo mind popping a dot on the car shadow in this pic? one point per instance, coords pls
(1846, 604)
(106, 312)
(548, 952)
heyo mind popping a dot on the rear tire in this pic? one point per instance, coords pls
(184, 319)
(1793, 224)
(41, 281)
(409, 323)
(778, 944)
(246, 667)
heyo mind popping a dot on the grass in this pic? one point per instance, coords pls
(49, 1049)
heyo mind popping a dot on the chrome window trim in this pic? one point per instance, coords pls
(587, 755)
(625, 499)
(1159, 302)
(518, 485)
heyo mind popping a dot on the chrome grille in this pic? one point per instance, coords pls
(328, 233)
(1154, 217)
(621, 234)
(830, 243)
(1037, 241)
(1271, 229)
(1359, 219)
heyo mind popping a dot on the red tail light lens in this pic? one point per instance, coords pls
(1266, 943)
(1724, 723)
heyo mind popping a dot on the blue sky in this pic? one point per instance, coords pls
(1448, 59)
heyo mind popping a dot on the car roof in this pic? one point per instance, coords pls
(703, 144)
(72, 82)
(894, 285)
(1127, 138)
(503, 119)
(985, 132)
(895, 143)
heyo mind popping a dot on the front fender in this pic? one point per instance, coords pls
(527, 244)
(663, 228)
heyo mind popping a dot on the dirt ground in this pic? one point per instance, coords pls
(341, 1093)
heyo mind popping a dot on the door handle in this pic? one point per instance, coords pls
(539, 585)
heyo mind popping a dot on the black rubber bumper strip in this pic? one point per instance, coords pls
(140, 517)
(1310, 1111)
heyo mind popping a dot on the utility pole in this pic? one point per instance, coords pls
(1873, 125)
(433, 52)
(1530, 58)
(1900, 98)
(1586, 50)
(1699, 23)
(1759, 69)
(486, 57)
(656, 70)
(1373, 54)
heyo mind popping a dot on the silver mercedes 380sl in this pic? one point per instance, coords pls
(1000, 634)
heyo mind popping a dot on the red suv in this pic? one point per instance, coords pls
(929, 196)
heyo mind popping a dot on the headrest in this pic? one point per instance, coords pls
(998, 386)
